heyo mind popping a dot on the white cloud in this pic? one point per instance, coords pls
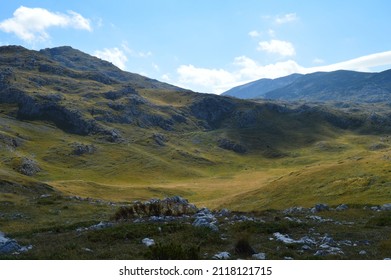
(247, 69)
(286, 18)
(220, 80)
(114, 55)
(166, 77)
(254, 34)
(77, 21)
(251, 70)
(363, 63)
(282, 48)
(31, 24)
(203, 79)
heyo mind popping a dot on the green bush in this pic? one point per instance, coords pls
(383, 220)
(173, 251)
(243, 248)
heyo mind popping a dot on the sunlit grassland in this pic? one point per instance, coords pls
(288, 164)
(342, 170)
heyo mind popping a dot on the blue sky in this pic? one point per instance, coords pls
(209, 45)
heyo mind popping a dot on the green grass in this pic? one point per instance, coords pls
(337, 169)
(293, 158)
(58, 239)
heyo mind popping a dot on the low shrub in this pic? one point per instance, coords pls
(173, 251)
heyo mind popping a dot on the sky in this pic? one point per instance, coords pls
(209, 45)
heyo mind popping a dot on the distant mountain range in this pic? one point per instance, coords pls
(320, 86)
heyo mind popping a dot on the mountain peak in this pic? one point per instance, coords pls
(340, 85)
(258, 88)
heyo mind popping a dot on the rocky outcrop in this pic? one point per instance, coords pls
(386, 207)
(134, 109)
(231, 146)
(65, 118)
(170, 206)
(81, 149)
(205, 218)
(11, 246)
(160, 139)
(10, 141)
(320, 208)
(114, 95)
(212, 109)
(28, 167)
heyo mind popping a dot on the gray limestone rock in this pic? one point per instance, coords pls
(342, 207)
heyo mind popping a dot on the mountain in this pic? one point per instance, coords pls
(322, 86)
(259, 88)
(76, 60)
(76, 124)
(81, 141)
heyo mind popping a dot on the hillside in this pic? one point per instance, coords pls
(69, 116)
(79, 139)
(320, 87)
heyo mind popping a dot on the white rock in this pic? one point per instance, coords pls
(284, 238)
(287, 240)
(222, 256)
(363, 252)
(148, 242)
(259, 256)
(342, 207)
(386, 207)
(3, 239)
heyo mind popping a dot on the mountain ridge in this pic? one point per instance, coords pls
(341, 85)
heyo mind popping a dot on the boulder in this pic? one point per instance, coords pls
(169, 206)
(320, 207)
(10, 246)
(224, 212)
(259, 256)
(28, 167)
(342, 207)
(81, 149)
(148, 242)
(222, 256)
(204, 218)
(386, 207)
(294, 210)
(101, 225)
(288, 240)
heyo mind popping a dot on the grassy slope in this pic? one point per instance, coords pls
(293, 159)
(338, 169)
